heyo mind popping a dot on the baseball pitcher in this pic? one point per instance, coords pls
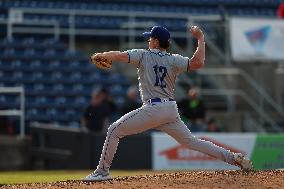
(157, 73)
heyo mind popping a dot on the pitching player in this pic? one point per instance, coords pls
(157, 72)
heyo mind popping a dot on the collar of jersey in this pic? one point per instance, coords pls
(159, 52)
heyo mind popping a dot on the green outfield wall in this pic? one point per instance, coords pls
(268, 152)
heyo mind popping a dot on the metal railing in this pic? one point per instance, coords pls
(71, 30)
(256, 107)
(16, 112)
(235, 71)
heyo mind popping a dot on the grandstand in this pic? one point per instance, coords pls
(45, 46)
(58, 83)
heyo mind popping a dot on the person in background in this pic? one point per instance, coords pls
(212, 126)
(7, 126)
(193, 110)
(95, 116)
(131, 103)
(4, 126)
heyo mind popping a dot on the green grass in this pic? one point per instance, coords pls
(19, 177)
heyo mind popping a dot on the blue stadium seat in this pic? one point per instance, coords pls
(77, 88)
(117, 79)
(49, 52)
(74, 64)
(7, 42)
(117, 90)
(40, 100)
(61, 101)
(119, 101)
(8, 101)
(71, 114)
(56, 76)
(17, 65)
(28, 41)
(38, 76)
(52, 113)
(2, 64)
(49, 41)
(81, 101)
(75, 76)
(17, 76)
(54, 64)
(2, 100)
(9, 52)
(35, 65)
(29, 52)
(39, 88)
(58, 88)
(5, 65)
(29, 100)
(31, 113)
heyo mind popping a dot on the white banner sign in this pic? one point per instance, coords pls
(170, 155)
(257, 39)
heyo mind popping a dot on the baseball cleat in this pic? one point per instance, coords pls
(97, 176)
(242, 162)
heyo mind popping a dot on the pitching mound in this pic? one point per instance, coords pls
(200, 179)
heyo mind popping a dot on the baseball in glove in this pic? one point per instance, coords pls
(101, 63)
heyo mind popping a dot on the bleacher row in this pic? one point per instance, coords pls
(134, 5)
(57, 85)
(196, 7)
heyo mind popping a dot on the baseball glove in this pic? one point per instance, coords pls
(102, 63)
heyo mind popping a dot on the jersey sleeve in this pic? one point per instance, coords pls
(181, 63)
(135, 56)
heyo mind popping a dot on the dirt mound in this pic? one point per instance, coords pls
(199, 179)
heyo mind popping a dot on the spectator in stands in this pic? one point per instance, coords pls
(212, 126)
(280, 10)
(6, 126)
(131, 102)
(193, 111)
(96, 115)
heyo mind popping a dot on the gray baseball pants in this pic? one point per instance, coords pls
(162, 116)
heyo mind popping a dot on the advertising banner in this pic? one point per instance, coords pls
(169, 155)
(257, 39)
(268, 152)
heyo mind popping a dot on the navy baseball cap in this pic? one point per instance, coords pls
(158, 32)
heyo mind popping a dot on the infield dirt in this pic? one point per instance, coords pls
(272, 179)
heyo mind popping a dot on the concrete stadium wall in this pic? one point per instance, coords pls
(63, 148)
(14, 153)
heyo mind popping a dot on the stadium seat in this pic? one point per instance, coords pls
(58, 88)
(81, 101)
(31, 113)
(17, 65)
(10, 52)
(38, 88)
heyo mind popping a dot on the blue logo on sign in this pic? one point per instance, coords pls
(258, 37)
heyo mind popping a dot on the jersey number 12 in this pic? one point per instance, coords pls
(161, 73)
